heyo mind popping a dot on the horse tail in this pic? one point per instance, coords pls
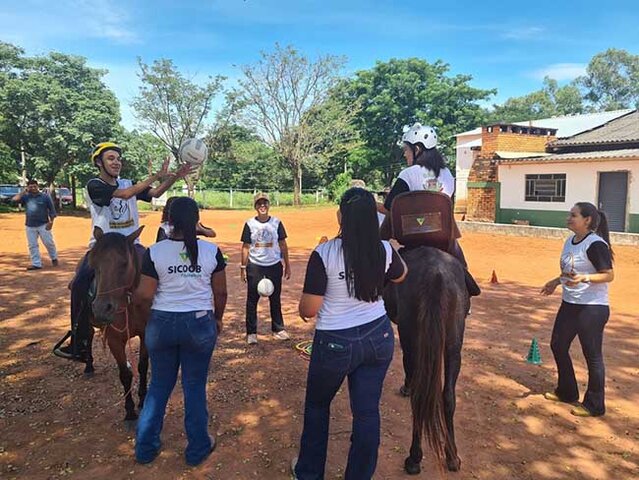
(427, 382)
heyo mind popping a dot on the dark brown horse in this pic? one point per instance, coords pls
(430, 309)
(114, 311)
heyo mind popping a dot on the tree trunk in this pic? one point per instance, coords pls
(73, 193)
(190, 186)
(297, 184)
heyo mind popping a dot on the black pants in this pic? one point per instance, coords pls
(254, 274)
(587, 322)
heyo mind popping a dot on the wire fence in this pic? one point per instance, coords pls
(243, 198)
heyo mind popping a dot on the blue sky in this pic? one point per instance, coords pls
(505, 45)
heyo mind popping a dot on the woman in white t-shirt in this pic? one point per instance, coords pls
(185, 279)
(586, 270)
(353, 337)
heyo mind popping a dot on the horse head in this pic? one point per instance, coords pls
(117, 273)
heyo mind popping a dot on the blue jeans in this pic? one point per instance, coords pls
(362, 354)
(176, 340)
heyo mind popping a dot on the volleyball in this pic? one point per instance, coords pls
(194, 151)
(265, 287)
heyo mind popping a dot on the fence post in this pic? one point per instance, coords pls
(277, 198)
(231, 198)
(316, 196)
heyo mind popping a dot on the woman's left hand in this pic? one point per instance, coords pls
(220, 325)
(287, 272)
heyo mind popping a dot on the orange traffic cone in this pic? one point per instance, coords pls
(493, 279)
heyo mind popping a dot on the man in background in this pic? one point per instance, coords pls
(40, 213)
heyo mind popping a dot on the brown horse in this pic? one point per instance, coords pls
(430, 309)
(117, 274)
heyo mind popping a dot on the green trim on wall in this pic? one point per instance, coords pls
(497, 202)
(633, 223)
(482, 184)
(539, 218)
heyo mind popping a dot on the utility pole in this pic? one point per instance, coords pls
(23, 160)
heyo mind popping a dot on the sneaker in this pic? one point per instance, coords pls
(55, 262)
(33, 267)
(293, 465)
(251, 338)
(281, 335)
(552, 397)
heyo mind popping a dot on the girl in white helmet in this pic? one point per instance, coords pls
(426, 170)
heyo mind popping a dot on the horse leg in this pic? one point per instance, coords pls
(452, 366)
(412, 463)
(88, 367)
(143, 369)
(117, 345)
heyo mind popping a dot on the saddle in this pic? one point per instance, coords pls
(424, 218)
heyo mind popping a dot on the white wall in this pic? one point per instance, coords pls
(581, 183)
(464, 162)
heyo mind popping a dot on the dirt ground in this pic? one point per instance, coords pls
(56, 424)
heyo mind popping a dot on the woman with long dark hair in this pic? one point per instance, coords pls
(164, 230)
(184, 278)
(586, 269)
(353, 337)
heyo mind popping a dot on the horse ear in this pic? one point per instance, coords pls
(132, 237)
(97, 233)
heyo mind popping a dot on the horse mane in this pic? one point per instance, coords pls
(115, 243)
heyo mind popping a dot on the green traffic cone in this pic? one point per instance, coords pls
(534, 356)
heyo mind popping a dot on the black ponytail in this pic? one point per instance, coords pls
(429, 158)
(184, 216)
(598, 222)
(364, 255)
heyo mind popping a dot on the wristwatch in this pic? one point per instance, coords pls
(587, 280)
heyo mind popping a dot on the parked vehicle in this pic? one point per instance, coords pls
(65, 197)
(7, 192)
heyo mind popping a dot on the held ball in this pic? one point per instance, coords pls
(194, 151)
(265, 287)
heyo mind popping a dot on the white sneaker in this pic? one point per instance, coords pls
(281, 335)
(251, 338)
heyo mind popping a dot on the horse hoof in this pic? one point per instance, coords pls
(453, 464)
(411, 467)
(130, 425)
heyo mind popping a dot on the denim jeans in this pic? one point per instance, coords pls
(363, 354)
(177, 340)
(34, 249)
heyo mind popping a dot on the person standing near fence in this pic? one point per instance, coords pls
(263, 250)
(40, 213)
(586, 270)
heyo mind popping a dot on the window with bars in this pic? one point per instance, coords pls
(546, 187)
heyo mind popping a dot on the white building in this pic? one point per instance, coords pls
(469, 143)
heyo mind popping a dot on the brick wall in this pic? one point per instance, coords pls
(482, 204)
(496, 140)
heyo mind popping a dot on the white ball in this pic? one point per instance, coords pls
(265, 287)
(193, 150)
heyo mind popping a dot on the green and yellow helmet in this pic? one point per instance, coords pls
(102, 147)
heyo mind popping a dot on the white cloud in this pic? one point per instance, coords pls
(524, 33)
(37, 23)
(561, 71)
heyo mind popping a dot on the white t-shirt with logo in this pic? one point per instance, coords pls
(422, 178)
(113, 214)
(325, 275)
(182, 287)
(264, 238)
(590, 255)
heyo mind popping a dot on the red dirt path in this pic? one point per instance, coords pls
(55, 424)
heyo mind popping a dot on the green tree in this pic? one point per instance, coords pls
(54, 107)
(403, 91)
(173, 107)
(612, 80)
(552, 100)
(278, 92)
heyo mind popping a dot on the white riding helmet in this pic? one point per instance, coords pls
(419, 133)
